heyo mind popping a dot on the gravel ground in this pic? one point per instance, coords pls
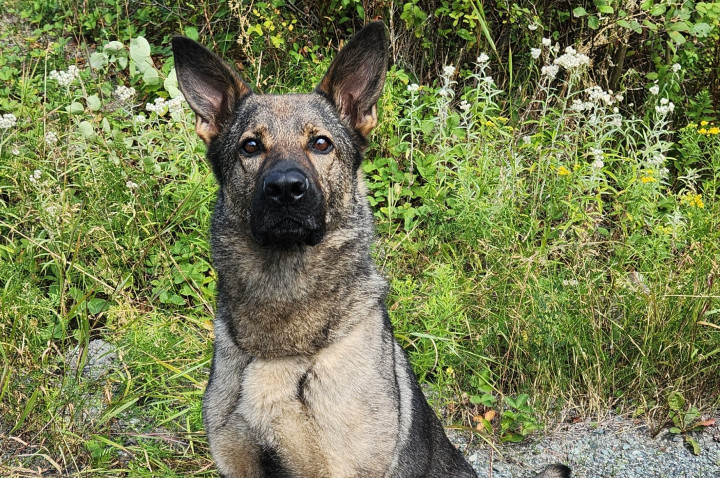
(616, 447)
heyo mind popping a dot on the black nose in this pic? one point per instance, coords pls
(285, 187)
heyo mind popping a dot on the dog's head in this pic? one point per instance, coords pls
(286, 164)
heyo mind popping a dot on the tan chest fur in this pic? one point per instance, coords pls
(326, 411)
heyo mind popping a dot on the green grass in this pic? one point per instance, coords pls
(519, 266)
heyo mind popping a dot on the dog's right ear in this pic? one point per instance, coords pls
(210, 86)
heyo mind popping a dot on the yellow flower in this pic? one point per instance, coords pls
(489, 123)
(704, 123)
(563, 171)
(693, 200)
(714, 130)
(450, 371)
(702, 131)
(648, 179)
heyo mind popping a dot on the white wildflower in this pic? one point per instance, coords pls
(654, 89)
(664, 109)
(444, 92)
(51, 138)
(664, 101)
(676, 67)
(465, 106)
(7, 121)
(535, 53)
(597, 95)
(579, 105)
(140, 118)
(619, 98)
(533, 26)
(526, 139)
(65, 78)
(413, 88)
(550, 71)
(546, 42)
(160, 107)
(571, 59)
(35, 176)
(570, 282)
(123, 93)
(657, 160)
(448, 71)
(175, 105)
(15, 150)
(483, 58)
(597, 164)
(488, 80)
(616, 121)
(597, 153)
(131, 185)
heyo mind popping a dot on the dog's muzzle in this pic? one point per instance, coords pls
(287, 208)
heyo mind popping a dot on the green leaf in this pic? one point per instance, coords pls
(75, 108)
(676, 401)
(675, 430)
(171, 84)
(593, 22)
(94, 103)
(606, 9)
(192, 33)
(579, 12)
(140, 53)
(693, 444)
(151, 77)
(624, 24)
(86, 129)
(701, 29)
(658, 10)
(98, 60)
(677, 37)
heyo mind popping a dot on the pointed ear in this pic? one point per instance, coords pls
(209, 84)
(355, 80)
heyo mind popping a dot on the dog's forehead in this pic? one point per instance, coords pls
(288, 113)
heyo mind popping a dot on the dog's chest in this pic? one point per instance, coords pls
(338, 398)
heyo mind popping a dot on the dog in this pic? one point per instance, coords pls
(307, 379)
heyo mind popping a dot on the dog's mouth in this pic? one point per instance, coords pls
(283, 230)
(287, 231)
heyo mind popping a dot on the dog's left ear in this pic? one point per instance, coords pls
(355, 80)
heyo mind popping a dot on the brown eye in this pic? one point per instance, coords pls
(322, 144)
(251, 146)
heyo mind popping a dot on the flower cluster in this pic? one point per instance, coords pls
(123, 93)
(413, 88)
(7, 121)
(692, 200)
(51, 138)
(572, 60)
(175, 105)
(131, 185)
(35, 176)
(665, 107)
(159, 107)
(563, 171)
(550, 71)
(65, 78)
(570, 282)
(654, 89)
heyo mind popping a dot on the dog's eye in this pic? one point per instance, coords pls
(322, 144)
(251, 146)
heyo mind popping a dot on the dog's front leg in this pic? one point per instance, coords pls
(232, 444)
(273, 408)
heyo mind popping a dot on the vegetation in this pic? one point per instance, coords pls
(552, 245)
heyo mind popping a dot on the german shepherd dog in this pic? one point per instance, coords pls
(307, 379)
